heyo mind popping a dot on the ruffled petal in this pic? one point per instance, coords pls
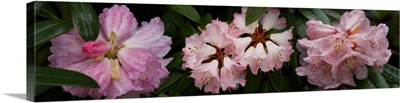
(216, 34)
(240, 21)
(316, 29)
(66, 49)
(238, 47)
(134, 61)
(207, 75)
(282, 38)
(100, 72)
(117, 19)
(120, 86)
(351, 20)
(195, 51)
(270, 20)
(232, 74)
(149, 38)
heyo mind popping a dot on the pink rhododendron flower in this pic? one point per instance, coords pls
(260, 50)
(208, 56)
(124, 58)
(333, 54)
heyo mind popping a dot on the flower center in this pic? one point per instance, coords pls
(112, 55)
(259, 37)
(112, 52)
(219, 56)
(350, 33)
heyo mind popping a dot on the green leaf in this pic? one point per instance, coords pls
(315, 14)
(187, 11)
(308, 14)
(30, 10)
(364, 84)
(63, 77)
(178, 19)
(53, 94)
(65, 12)
(42, 54)
(86, 20)
(392, 73)
(205, 20)
(169, 25)
(191, 90)
(43, 31)
(173, 77)
(300, 27)
(332, 14)
(252, 82)
(374, 80)
(187, 30)
(182, 85)
(231, 11)
(39, 89)
(45, 10)
(253, 14)
(276, 78)
(176, 62)
(266, 87)
(321, 16)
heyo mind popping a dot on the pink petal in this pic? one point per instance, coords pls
(278, 54)
(238, 47)
(344, 75)
(239, 21)
(350, 21)
(79, 66)
(232, 74)
(134, 61)
(319, 73)
(195, 51)
(213, 86)
(216, 34)
(120, 86)
(259, 58)
(301, 71)
(66, 49)
(335, 49)
(100, 72)
(282, 38)
(270, 20)
(117, 19)
(316, 29)
(204, 71)
(149, 38)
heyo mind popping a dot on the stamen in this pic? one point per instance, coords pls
(99, 58)
(339, 43)
(206, 78)
(354, 43)
(145, 78)
(115, 73)
(113, 46)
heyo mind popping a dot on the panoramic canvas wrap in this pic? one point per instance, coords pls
(86, 51)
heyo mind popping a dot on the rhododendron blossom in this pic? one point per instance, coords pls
(124, 58)
(260, 50)
(212, 67)
(333, 54)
